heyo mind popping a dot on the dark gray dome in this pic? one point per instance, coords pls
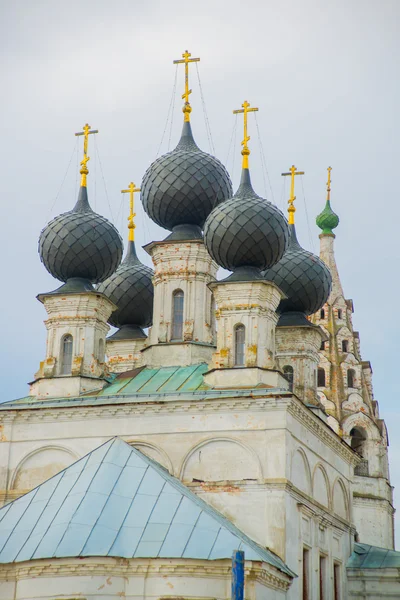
(302, 276)
(246, 231)
(183, 186)
(131, 289)
(80, 243)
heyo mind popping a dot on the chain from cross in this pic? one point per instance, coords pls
(187, 109)
(291, 208)
(246, 138)
(84, 170)
(328, 185)
(131, 225)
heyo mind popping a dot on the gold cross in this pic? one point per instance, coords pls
(84, 170)
(292, 209)
(245, 152)
(187, 109)
(131, 225)
(328, 185)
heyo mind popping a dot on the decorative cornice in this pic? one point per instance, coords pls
(192, 406)
(324, 432)
(121, 567)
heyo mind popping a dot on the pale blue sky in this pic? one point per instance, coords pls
(324, 76)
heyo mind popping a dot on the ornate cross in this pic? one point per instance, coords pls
(187, 109)
(292, 209)
(328, 185)
(84, 170)
(131, 225)
(245, 152)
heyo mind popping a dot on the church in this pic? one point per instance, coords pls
(222, 414)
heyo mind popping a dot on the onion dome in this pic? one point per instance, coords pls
(246, 231)
(303, 278)
(130, 288)
(183, 186)
(80, 244)
(327, 219)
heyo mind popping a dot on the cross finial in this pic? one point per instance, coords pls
(328, 185)
(291, 208)
(187, 109)
(131, 225)
(245, 152)
(84, 170)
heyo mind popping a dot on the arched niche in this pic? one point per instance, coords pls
(321, 486)
(339, 499)
(220, 459)
(40, 465)
(360, 420)
(300, 472)
(153, 452)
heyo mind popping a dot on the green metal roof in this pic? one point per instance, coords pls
(147, 385)
(373, 557)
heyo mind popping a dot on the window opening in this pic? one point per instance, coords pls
(322, 346)
(240, 334)
(345, 345)
(336, 581)
(350, 378)
(306, 571)
(321, 377)
(322, 313)
(177, 315)
(66, 352)
(101, 350)
(322, 577)
(339, 313)
(289, 375)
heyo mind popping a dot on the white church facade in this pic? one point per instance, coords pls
(244, 419)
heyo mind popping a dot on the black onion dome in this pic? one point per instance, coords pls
(303, 278)
(131, 289)
(246, 231)
(80, 243)
(183, 186)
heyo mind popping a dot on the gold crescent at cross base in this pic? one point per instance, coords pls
(84, 170)
(131, 225)
(187, 109)
(245, 152)
(291, 208)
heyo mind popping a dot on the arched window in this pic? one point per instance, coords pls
(359, 444)
(358, 438)
(101, 350)
(288, 373)
(339, 313)
(350, 378)
(322, 346)
(240, 334)
(177, 315)
(345, 345)
(321, 377)
(322, 313)
(66, 354)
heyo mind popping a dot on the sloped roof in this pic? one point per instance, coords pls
(365, 556)
(117, 502)
(143, 384)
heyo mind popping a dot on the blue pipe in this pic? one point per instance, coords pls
(238, 575)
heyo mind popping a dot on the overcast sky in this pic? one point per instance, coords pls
(324, 76)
